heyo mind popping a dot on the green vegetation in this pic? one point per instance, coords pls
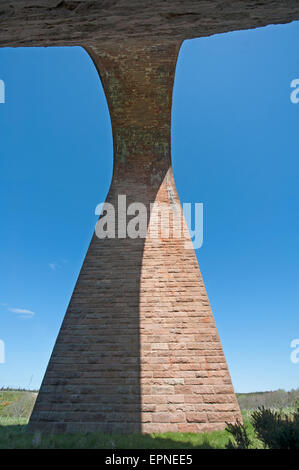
(277, 399)
(16, 406)
(275, 429)
(13, 435)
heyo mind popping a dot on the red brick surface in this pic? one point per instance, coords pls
(138, 349)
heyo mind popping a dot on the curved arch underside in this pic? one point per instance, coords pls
(91, 22)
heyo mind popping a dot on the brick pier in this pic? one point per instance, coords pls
(138, 349)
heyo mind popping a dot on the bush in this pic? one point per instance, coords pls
(240, 435)
(275, 429)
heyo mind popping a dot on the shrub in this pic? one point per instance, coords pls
(240, 435)
(275, 429)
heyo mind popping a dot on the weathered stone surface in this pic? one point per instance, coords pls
(138, 349)
(95, 22)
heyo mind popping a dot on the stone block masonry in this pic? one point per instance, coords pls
(138, 349)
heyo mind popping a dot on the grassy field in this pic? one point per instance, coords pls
(16, 406)
(13, 435)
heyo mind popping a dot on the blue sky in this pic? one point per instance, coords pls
(234, 148)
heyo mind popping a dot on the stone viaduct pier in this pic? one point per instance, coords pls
(138, 349)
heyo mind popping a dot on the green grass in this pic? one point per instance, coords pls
(13, 435)
(16, 406)
(16, 403)
(7, 397)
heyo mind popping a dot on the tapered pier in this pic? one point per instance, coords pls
(138, 349)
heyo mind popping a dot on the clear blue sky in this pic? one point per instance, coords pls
(235, 148)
